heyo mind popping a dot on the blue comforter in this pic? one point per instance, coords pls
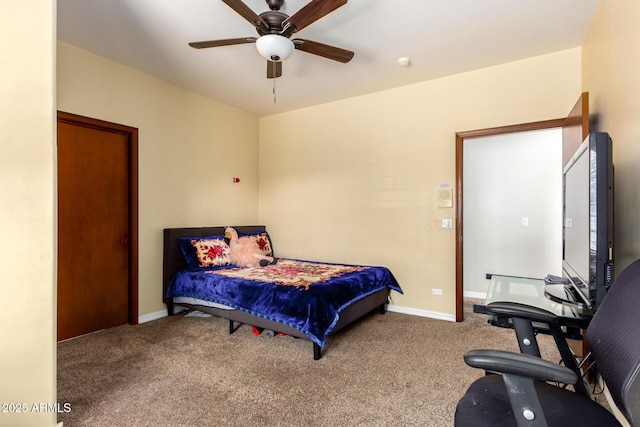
(304, 295)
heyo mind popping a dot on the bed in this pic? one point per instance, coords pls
(303, 299)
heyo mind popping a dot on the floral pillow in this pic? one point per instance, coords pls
(264, 242)
(208, 251)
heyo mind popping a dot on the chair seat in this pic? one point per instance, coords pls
(486, 404)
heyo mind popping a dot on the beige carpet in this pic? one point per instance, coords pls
(386, 370)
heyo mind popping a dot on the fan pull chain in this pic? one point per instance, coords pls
(274, 91)
(274, 83)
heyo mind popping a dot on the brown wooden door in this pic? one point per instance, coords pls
(93, 228)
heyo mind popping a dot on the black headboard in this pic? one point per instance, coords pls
(172, 258)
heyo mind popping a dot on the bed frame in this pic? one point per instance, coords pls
(173, 261)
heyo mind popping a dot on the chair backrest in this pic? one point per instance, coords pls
(614, 339)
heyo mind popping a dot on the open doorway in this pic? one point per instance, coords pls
(575, 127)
(512, 207)
(460, 143)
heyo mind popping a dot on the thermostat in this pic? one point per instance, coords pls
(445, 197)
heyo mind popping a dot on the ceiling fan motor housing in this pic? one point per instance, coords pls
(274, 20)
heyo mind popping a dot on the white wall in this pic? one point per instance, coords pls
(507, 178)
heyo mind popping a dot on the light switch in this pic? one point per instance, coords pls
(525, 221)
(447, 223)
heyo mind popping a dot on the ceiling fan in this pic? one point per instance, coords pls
(275, 30)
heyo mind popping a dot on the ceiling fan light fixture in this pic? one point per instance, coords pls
(274, 47)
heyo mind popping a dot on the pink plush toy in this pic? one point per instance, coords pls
(245, 251)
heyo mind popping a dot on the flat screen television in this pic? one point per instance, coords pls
(587, 255)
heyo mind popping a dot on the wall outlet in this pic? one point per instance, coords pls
(447, 223)
(435, 291)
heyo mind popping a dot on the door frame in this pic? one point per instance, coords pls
(460, 139)
(131, 134)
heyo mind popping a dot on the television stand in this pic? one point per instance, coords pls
(563, 290)
(565, 294)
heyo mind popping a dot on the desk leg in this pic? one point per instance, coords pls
(526, 337)
(568, 358)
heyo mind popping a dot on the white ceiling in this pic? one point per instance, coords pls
(442, 37)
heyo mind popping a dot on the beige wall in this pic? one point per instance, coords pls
(356, 180)
(27, 259)
(381, 157)
(610, 70)
(190, 148)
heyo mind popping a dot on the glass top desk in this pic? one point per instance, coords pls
(560, 299)
(554, 298)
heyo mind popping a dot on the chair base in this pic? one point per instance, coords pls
(486, 404)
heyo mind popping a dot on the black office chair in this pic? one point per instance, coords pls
(520, 395)
(526, 320)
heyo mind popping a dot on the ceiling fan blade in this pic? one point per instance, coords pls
(225, 42)
(274, 69)
(247, 13)
(309, 14)
(324, 50)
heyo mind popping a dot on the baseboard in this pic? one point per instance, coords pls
(158, 314)
(422, 313)
(477, 295)
(612, 404)
(395, 308)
